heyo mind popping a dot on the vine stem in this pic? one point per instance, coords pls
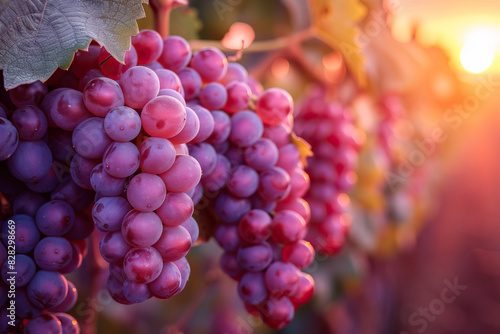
(162, 10)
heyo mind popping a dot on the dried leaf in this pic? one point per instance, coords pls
(303, 146)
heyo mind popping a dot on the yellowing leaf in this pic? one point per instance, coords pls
(37, 36)
(335, 23)
(304, 148)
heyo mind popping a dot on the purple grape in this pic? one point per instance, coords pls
(274, 106)
(230, 209)
(169, 80)
(26, 233)
(255, 257)
(183, 176)
(218, 177)
(55, 218)
(146, 192)
(235, 72)
(61, 145)
(113, 247)
(68, 302)
(136, 292)
(206, 156)
(101, 95)
(31, 161)
(68, 110)
(28, 94)
(25, 269)
(81, 169)
(24, 307)
(172, 93)
(114, 69)
(163, 117)
(277, 312)
(27, 203)
(53, 253)
(157, 155)
(105, 184)
(261, 155)
(227, 237)
(108, 213)
(251, 288)
(238, 97)
(43, 324)
(176, 53)
(47, 183)
(139, 85)
(222, 127)
(30, 122)
(176, 209)
(282, 279)
(206, 124)
(72, 194)
(115, 289)
(168, 282)
(184, 269)
(210, 63)
(69, 324)
(121, 159)
(243, 181)
(47, 289)
(149, 46)
(229, 264)
(75, 262)
(122, 124)
(141, 229)
(213, 96)
(174, 243)
(274, 184)
(142, 265)
(288, 227)
(9, 138)
(190, 129)
(191, 82)
(192, 227)
(300, 254)
(255, 225)
(89, 138)
(246, 128)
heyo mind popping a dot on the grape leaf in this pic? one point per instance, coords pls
(335, 23)
(38, 36)
(303, 146)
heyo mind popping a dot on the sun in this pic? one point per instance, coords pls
(478, 52)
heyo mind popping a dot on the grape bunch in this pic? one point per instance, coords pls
(46, 225)
(253, 180)
(329, 128)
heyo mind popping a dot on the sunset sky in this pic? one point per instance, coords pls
(452, 23)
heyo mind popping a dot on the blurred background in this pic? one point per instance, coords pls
(422, 81)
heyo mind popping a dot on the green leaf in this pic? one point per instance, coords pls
(37, 37)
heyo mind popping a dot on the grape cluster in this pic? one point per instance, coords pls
(43, 235)
(335, 141)
(253, 179)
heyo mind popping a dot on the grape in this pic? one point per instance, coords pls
(169, 80)
(227, 237)
(139, 85)
(68, 323)
(274, 184)
(184, 174)
(113, 247)
(163, 117)
(235, 72)
(206, 124)
(185, 270)
(31, 161)
(9, 138)
(190, 129)
(146, 192)
(43, 324)
(277, 312)
(115, 289)
(174, 243)
(287, 227)
(91, 74)
(230, 209)
(191, 83)
(213, 96)
(255, 257)
(176, 53)
(25, 270)
(181, 149)
(298, 205)
(168, 282)
(89, 138)
(206, 156)
(261, 155)
(117, 272)
(72, 194)
(299, 183)
(243, 181)
(300, 254)
(86, 60)
(192, 227)
(251, 288)
(24, 307)
(176, 209)
(81, 229)
(289, 157)
(141, 229)
(229, 264)
(157, 155)
(26, 236)
(136, 292)
(47, 289)
(55, 218)
(101, 95)
(238, 96)
(108, 213)
(274, 106)
(121, 159)
(69, 301)
(53, 253)
(105, 184)
(246, 128)
(76, 259)
(282, 279)
(279, 134)
(30, 122)
(68, 109)
(114, 69)
(27, 203)
(142, 265)
(222, 127)
(172, 93)
(254, 226)
(28, 94)
(219, 176)
(61, 145)
(80, 170)
(122, 124)
(149, 46)
(210, 63)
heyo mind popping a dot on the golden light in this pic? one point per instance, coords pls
(478, 52)
(280, 68)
